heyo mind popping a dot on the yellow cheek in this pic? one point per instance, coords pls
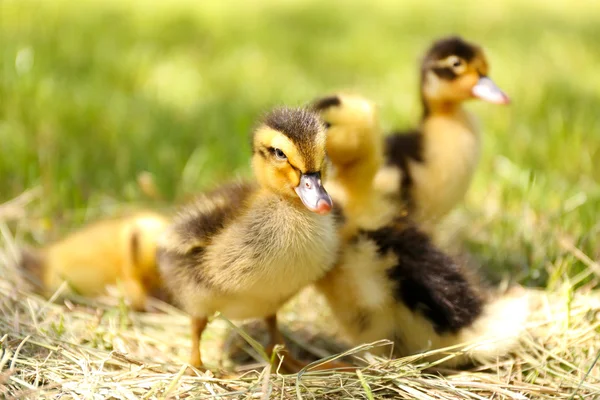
(292, 176)
(469, 80)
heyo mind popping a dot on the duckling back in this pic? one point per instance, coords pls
(88, 259)
(394, 283)
(101, 254)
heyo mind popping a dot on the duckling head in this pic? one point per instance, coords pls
(353, 133)
(453, 71)
(289, 157)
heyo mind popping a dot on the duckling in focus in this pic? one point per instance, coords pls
(247, 248)
(355, 149)
(120, 250)
(391, 281)
(394, 283)
(430, 168)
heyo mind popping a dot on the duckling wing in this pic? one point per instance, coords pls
(428, 281)
(401, 148)
(181, 248)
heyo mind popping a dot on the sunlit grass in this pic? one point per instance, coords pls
(93, 93)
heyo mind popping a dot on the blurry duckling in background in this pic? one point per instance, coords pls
(108, 252)
(391, 282)
(246, 249)
(355, 149)
(430, 168)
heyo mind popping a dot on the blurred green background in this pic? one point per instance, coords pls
(92, 93)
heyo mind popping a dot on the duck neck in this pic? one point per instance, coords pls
(362, 204)
(357, 179)
(292, 201)
(432, 107)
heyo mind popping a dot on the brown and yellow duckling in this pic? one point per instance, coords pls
(107, 252)
(394, 283)
(246, 249)
(391, 282)
(430, 168)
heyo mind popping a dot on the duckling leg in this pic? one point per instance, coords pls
(289, 362)
(275, 337)
(198, 325)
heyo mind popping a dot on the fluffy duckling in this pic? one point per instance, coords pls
(394, 283)
(119, 250)
(355, 149)
(391, 282)
(246, 249)
(430, 168)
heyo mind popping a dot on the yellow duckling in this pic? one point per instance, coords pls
(355, 149)
(430, 168)
(391, 282)
(119, 250)
(246, 249)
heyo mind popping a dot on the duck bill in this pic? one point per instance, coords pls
(313, 194)
(486, 90)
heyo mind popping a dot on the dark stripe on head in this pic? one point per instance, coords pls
(325, 103)
(445, 73)
(440, 50)
(301, 126)
(427, 280)
(263, 152)
(450, 46)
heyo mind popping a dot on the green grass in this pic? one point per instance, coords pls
(93, 93)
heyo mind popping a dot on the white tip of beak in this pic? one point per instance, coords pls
(486, 90)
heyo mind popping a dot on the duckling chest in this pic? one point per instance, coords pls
(274, 252)
(451, 153)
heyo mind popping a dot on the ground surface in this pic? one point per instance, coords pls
(93, 94)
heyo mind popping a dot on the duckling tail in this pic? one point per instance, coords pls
(498, 330)
(31, 263)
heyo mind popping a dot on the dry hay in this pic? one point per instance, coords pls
(66, 349)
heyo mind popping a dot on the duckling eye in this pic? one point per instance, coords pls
(455, 62)
(279, 154)
(327, 125)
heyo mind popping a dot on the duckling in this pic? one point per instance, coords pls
(394, 283)
(355, 149)
(247, 248)
(391, 281)
(104, 253)
(430, 168)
